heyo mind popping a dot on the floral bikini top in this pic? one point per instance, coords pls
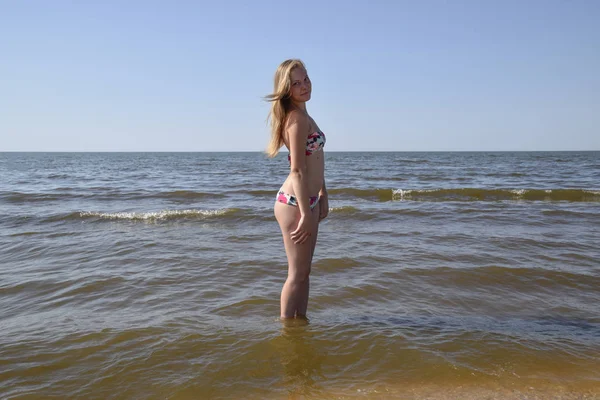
(314, 142)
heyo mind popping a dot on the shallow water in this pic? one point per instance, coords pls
(436, 275)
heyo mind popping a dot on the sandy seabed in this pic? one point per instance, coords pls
(459, 392)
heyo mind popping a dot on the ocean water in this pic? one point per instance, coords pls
(436, 275)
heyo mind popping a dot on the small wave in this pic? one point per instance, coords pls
(353, 213)
(344, 210)
(58, 176)
(259, 192)
(413, 161)
(159, 215)
(163, 215)
(374, 194)
(570, 213)
(21, 197)
(515, 277)
(182, 194)
(470, 194)
(105, 193)
(28, 233)
(504, 174)
(337, 264)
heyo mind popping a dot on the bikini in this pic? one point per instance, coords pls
(314, 143)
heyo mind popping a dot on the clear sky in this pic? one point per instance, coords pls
(387, 75)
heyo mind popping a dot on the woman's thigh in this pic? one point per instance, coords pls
(299, 255)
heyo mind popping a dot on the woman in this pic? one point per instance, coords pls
(302, 200)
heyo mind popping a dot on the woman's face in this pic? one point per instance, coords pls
(301, 86)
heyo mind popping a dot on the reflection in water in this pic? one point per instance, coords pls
(300, 357)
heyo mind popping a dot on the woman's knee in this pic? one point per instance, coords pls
(299, 275)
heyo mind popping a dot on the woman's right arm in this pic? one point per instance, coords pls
(297, 129)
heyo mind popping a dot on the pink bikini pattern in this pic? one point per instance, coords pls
(314, 142)
(291, 200)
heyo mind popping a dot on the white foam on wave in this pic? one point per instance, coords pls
(406, 193)
(158, 215)
(342, 209)
(399, 192)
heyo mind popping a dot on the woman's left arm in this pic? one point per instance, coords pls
(323, 202)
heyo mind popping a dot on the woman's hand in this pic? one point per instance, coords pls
(304, 229)
(323, 206)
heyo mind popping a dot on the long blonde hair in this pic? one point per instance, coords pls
(280, 103)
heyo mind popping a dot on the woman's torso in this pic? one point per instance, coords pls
(315, 165)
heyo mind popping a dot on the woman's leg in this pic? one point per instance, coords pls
(303, 304)
(299, 259)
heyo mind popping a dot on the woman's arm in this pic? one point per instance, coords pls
(323, 198)
(323, 202)
(297, 129)
(323, 191)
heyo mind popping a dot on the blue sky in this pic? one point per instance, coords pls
(387, 75)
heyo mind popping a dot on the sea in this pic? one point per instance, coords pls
(437, 275)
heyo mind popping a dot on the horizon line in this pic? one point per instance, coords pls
(329, 151)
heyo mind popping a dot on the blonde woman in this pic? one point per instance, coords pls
(302, 200)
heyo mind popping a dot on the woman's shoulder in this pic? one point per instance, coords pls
(297, 117)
